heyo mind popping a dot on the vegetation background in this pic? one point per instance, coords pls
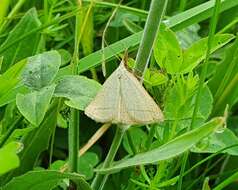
(55, 56)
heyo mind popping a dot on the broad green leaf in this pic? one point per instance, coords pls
(154, 78)
(9, 79)
(188, 35)
(180, 98)
(197, 52)
(86, 164)
(45, 180)
(131, 26)
(15, 70)
(7, 85)
(78, 89)
(10, 95)
(35, 143)
(139, 138)
(8, 157)
(10, 83)
(167, 51)
(57, 164)
(41, 70)
(34, 105)
(171, 149)
(24, 48)
(18, 133)
(65, 56)
(218, 141)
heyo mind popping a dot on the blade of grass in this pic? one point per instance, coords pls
(211, 35)
(156, 14)
(227, 181)
(174, 180)
(169, 150)
(177, 22)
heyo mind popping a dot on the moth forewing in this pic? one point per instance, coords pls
(102, 107)
(123, 99)
(140, 105)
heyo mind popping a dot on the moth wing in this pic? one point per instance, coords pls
(139, 104)
(108, 95)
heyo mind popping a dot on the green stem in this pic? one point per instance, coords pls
(201, 81)
(73, 141)
(100, 179)
(74, 114)
(156, 13)
(60, 102)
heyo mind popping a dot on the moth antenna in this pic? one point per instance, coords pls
(126, 56)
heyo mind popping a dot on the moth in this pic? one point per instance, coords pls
(123, 100)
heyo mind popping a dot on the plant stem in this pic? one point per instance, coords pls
(156, 13)
(74, 114)
(201, 82)
(100, 179)
(60, 102)
(73, 141)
